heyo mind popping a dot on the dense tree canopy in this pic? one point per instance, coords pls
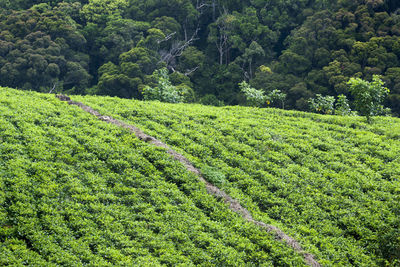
(41, 47)
(300, 47)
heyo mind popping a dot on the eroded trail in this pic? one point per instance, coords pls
(234, 204)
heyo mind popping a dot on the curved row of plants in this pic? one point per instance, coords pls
(331, 182)
(78, 191)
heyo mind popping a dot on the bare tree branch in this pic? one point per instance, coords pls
(202, 4)
(188, 72)
(54, 87)
(177, 49)
(168, 37)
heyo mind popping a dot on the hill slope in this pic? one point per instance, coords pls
(78, 190)
(331, 182)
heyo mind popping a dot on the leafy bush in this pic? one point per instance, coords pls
(211, 100)
(253, 96)
(342, 106)
(389, 243)
(213, 175)
(164, 91)
(369, 96)
(276, 96)
(322, 104)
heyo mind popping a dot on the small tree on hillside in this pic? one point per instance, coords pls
(322, 104)
(165, 91)
(342, 106)
(253, 96)
(276, 96)
(368, 96)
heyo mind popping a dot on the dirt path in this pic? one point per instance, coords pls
(234, 204)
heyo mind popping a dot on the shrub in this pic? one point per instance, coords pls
(213, 175)
(342, 106)
(369, 96)
(322, 104)
(275, 97)
(164, 91)
(211, 100)
(253, 96)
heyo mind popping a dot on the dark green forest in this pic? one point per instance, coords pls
(112, 47)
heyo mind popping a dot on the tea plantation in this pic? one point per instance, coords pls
(77, 191)
(331, 182)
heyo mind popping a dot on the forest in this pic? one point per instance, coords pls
(303, 48)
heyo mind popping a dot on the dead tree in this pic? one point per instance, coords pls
(52, 89)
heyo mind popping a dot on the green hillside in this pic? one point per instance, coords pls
(331, 182)
(78, 191)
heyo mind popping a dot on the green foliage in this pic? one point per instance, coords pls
(213, 175)
(78, 191)
(389, 243)
(192, 58)
(183, 11)
(368, 96)
(117, 37)
(276, 96)
(164, 91)
(326, 105)
(211, 100)
(301, 48)
(253, 96)
(342, 106)
(127, 79)
(257, 98)
(102, 11)
(322, 104)
(330, 181)
(42, 51)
